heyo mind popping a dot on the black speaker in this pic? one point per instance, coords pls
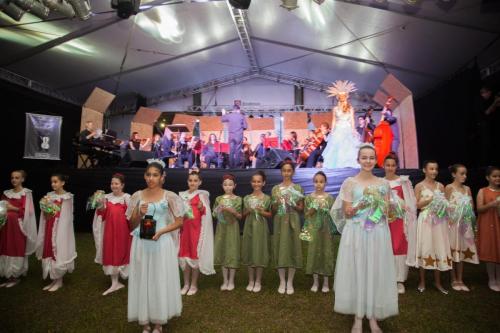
(136, 158)
(273, 158)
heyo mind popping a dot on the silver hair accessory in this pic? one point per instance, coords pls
(340, 87)
(156, 160)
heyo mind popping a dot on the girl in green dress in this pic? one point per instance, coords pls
(287, 202)
(255, 244)
(318, 231)
(227, 211)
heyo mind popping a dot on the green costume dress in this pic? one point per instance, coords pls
(319, 228)
(255, 244)
(227, 234)
(286, 244)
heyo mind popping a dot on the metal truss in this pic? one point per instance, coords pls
(242, 27)
(34, 85)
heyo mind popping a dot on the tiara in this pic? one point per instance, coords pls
(156, 160)
(366, 145)
(194, 170)
(341, 87)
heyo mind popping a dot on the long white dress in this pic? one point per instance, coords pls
(154, 289)
(365, 273)
(432, 243)
(341, 150)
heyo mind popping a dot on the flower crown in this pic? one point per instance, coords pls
(156, 160)
(340, 87)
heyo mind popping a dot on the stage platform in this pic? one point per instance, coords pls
(83, 182)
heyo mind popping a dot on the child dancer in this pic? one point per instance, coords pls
(318, 230)
(365, 275)
(56, 237)
(255, 243)
(18, 235)
(488, 208)
(196, 252)
(287, 201)
(227, 211)
(154, 287)
(461, 232)
(112, 235)
(433, 244)
(402, 229)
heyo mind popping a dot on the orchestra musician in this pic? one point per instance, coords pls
(247, 152)
(209, 155)
(316, 143)
(259, 152)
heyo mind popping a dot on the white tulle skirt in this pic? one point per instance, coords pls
(341, 150)
(154, 291)
(365, 273)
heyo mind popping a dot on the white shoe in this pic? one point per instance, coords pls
(289, 290)
(12, 283)
(192, 291)
(256, 288)
(282, 288)
(250, 287)
(401, 288)
(185, 289)
(325, 289)
(314, 288)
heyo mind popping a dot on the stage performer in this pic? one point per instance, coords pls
(392, 120)
(227, 212)
(112, 234)
(318, 232)
(88, 133)
(365, 275)
(461, 231)
(55, 245)
(246, 153)
(209, 155)
(196, 252)
(488, 208)
(255, 242)
(236, 125)
(259, 152)
(316, 155)
(383, 138)
(342, 146)
(287, 203)
(432, 241)
(18, 234)
(184, 152)
(154, 295)
(404, 227)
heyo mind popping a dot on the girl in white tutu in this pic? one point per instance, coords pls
(461, 231)
(154, 293)
(343, 142)
(432, 242)
(365, 274)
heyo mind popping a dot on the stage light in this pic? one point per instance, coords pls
(126, 8)
(162, 125)
(319, 2)
(12, 10)
(240, 4)
(82, 8)
(289, 4)
(61, 7)
(34, 7)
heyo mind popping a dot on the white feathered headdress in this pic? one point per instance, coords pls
(341, 87)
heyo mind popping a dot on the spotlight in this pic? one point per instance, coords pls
(82, 8)
(240, 4)
(126, 8)
(289, 4)
(61, 7)
(11, 10)
(34, 7)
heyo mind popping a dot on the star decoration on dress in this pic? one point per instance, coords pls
(468, 254)
(429, 261)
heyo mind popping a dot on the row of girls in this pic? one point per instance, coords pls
(441, 239)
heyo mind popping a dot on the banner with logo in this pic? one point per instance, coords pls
(43, 136)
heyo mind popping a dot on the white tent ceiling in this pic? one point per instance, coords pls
(182, 44)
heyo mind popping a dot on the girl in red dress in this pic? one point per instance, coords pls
(488, 206)
(112, 234)
(18, 235)
(196, 251)
(55, 245)
(401, 228)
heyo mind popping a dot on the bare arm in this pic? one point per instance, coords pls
(481, 206)
(448, 190)
(421, 203)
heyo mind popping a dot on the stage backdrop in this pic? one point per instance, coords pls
(42, 138)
